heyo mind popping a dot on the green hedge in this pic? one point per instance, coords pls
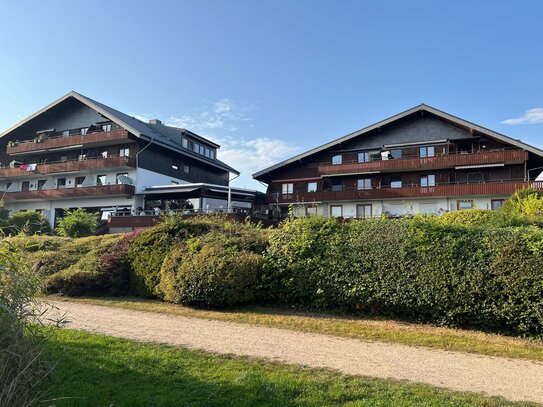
(212, 276)
(467, 277)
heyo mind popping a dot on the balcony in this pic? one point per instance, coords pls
(513, 156)
(97, 163)
(70, 193)
(416, 191)
(64, 142)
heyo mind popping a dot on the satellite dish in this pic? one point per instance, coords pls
(123, 179)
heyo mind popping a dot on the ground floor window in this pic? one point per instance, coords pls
(336, 211)
(496, 204)
(363, 211)
(464, 204)
(311, 211)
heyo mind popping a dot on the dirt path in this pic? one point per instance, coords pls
(512, 379)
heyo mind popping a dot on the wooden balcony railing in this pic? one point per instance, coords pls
(67, 193)
(52, 142)
(70, 166)
(513, 156)
(488, 188)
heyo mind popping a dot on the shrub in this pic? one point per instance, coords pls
(526, 204)
(78, 223)
(210, 276)
(489, 278)
(149, 250)
(28, 223)
(104, 270)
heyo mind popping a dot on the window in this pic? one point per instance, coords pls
(336, 211)
(101, 180)
(428, 180)
(65, 133)
(428, 208)
(311, 211)
(84, 131)
(8, 185)
(363, 157)
(25, 186)
(185, 143)
(106, 127)
(363, 211)
(396, 182)
(41, 183)
(337, 186)
(186, 169)
(396, 154)
(196, 148)
(61, 183)
(496, 203)
(79, 181)
(124, 151)
(212, 154)
(427, 151)
(287, 188)
(464, 204)
(311, 187)
(121, 175)
(364, 183)
(337, 159)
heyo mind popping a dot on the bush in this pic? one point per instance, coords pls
(78, 223)
(488, 278)
(526, 204)
(104, 269)
(28, 223)
(149, 250)
(212, 276)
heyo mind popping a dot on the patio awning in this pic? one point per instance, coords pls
(469, 167)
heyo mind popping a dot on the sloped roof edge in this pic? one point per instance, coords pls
(421, 107)
(113, 115)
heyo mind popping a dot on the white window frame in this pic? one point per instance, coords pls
(287, 188)
(337, 159)
(428, 180)
(363, 183)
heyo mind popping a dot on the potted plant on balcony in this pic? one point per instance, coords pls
(41, 138)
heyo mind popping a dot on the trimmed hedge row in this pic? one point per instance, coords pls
(490, 279)
(424, 269)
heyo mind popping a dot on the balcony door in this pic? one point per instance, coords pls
(363, 211)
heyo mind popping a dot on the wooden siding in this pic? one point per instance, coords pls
(71, 166)
(515, 156)
(67, 141)
(497, 188)
(67, 193)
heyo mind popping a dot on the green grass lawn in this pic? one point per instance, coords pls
(96, 370)
(351, 327)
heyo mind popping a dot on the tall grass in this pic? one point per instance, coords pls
(22, 364)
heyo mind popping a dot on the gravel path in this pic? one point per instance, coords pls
(510, 378)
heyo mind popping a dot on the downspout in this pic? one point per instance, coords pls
(138, 166)
(229, 202)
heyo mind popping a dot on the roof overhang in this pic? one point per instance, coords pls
(420, 108)
(95, 106)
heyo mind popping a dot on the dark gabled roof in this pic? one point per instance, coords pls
(422, 107)
(166, 136)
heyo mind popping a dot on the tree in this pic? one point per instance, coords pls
(78, 223)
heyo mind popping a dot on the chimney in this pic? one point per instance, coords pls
(155, 121)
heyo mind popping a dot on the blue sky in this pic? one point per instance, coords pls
(268, 79)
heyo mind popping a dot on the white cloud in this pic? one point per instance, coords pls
(531, 116)
(221, 122)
